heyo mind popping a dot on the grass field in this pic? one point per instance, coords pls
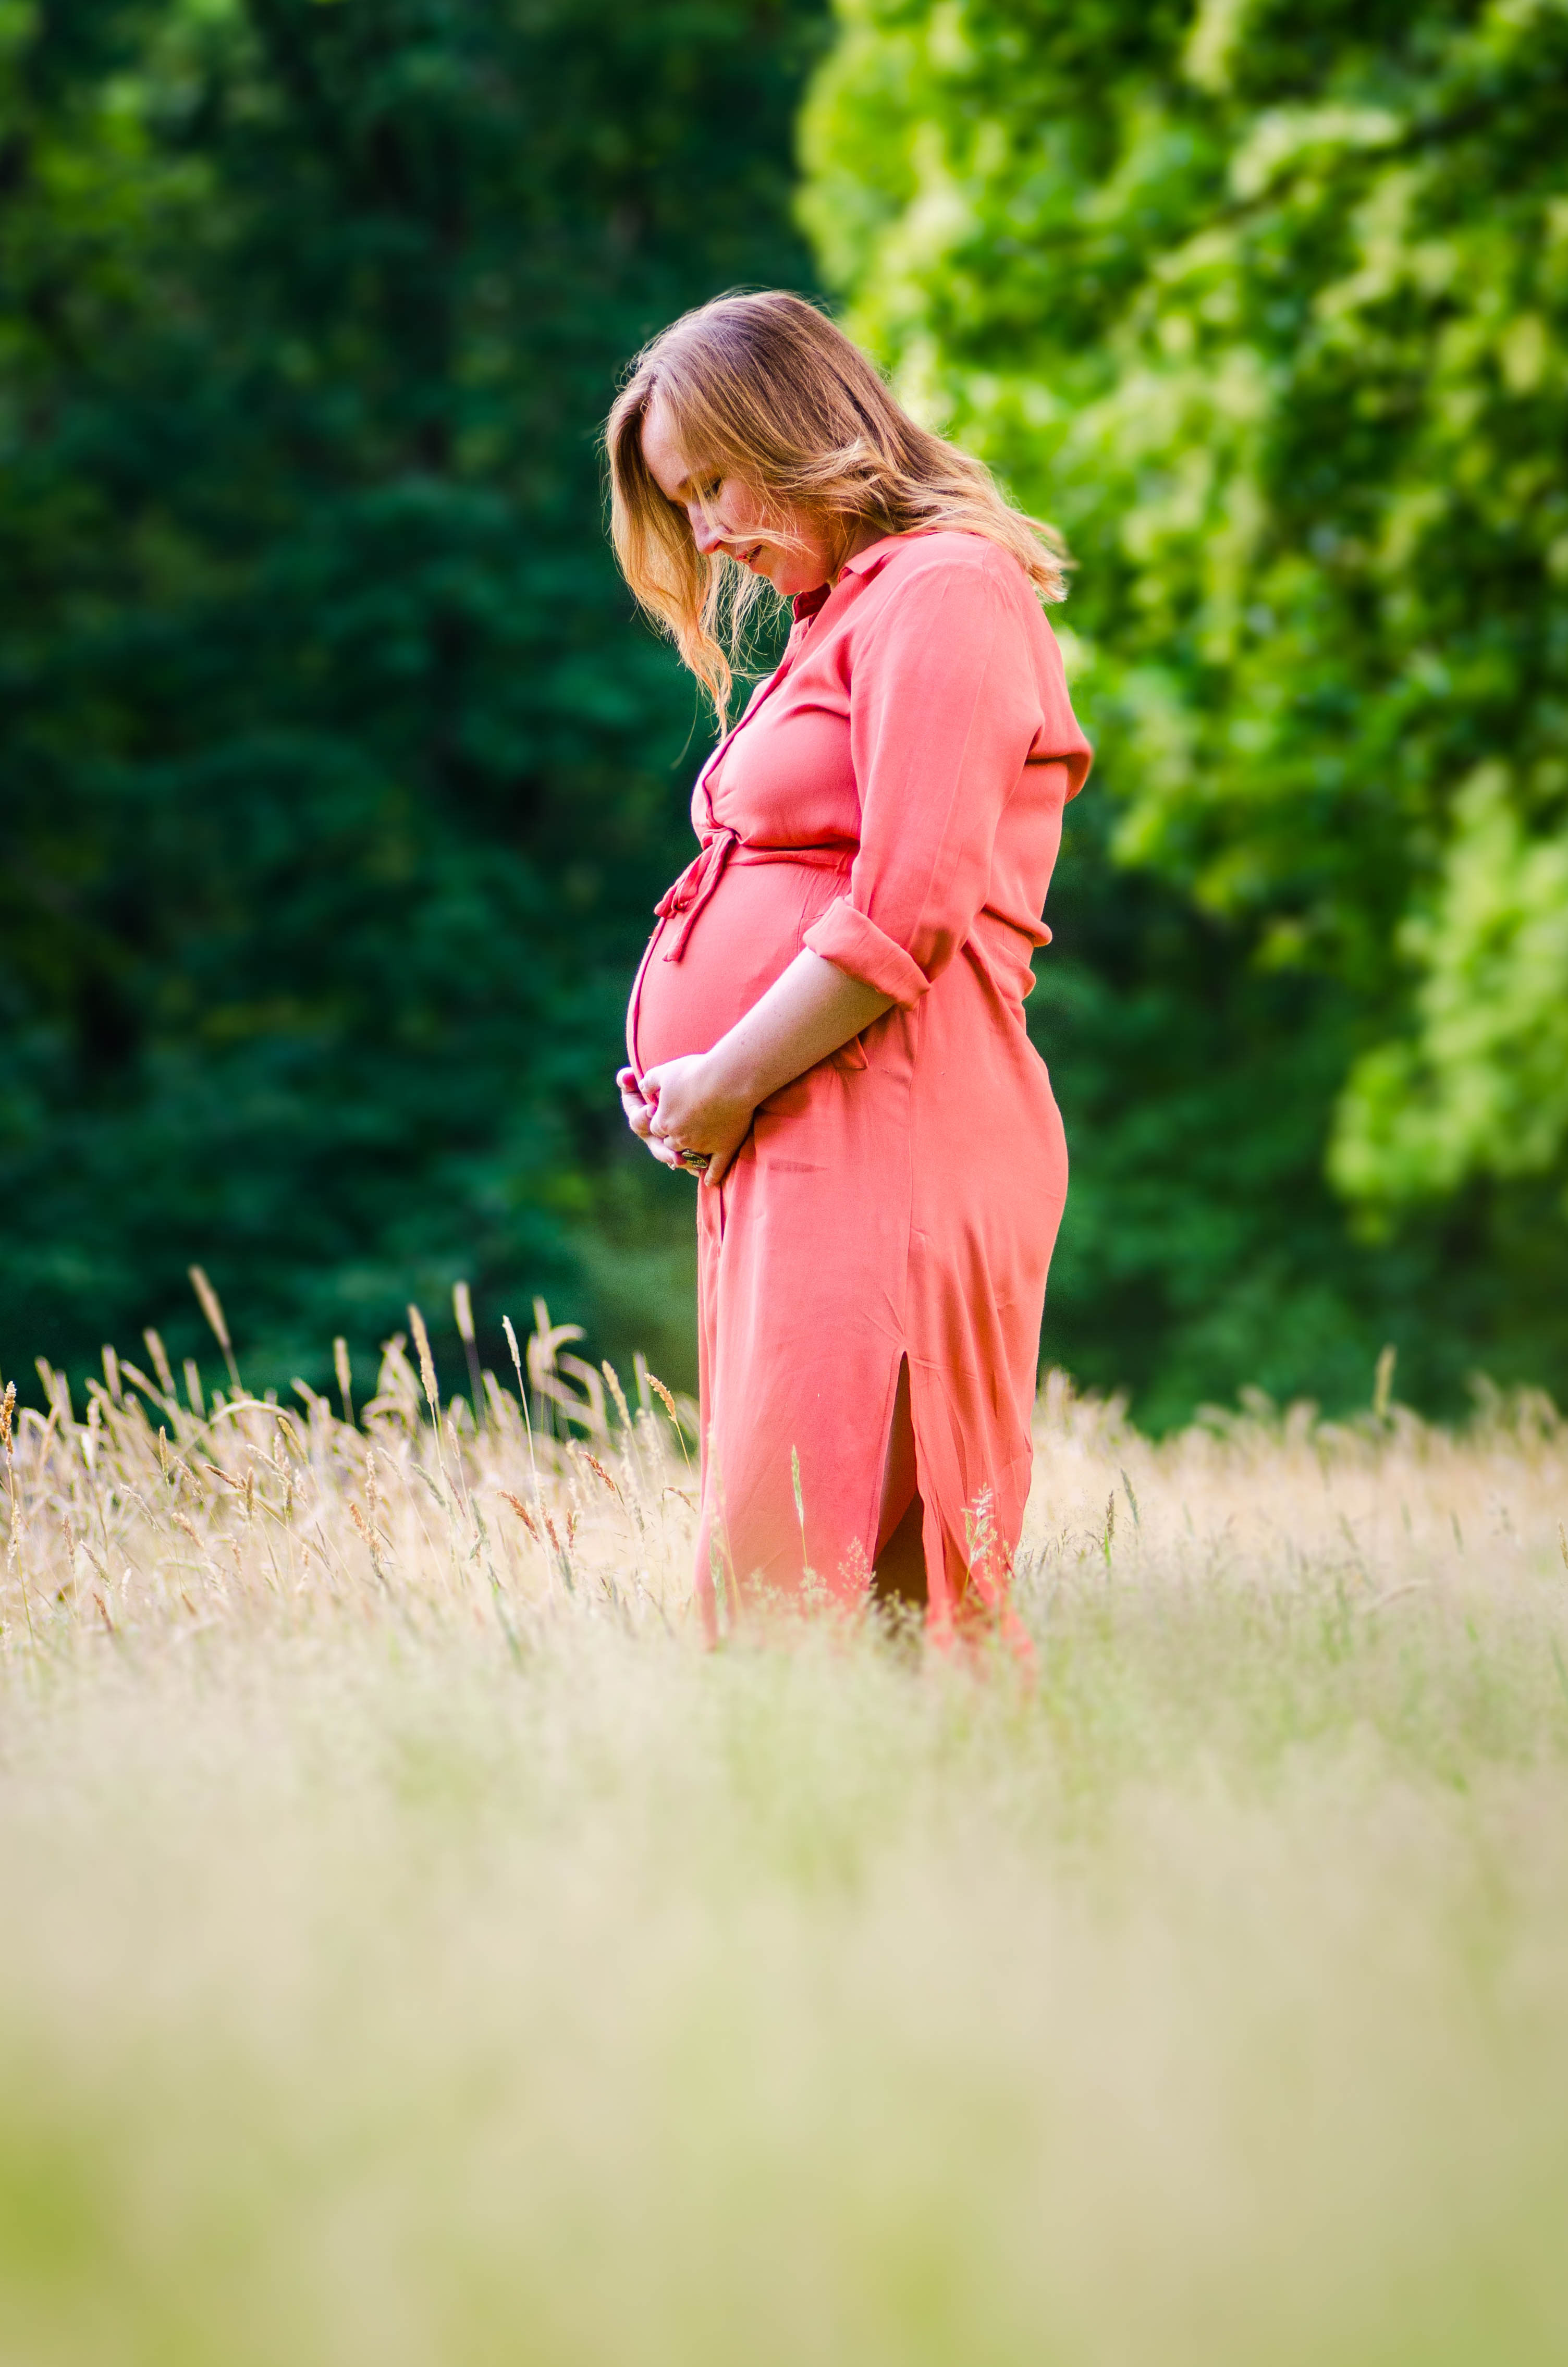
(416, 1949)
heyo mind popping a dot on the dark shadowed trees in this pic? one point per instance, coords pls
(338, 780)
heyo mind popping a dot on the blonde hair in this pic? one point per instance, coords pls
(767, 390)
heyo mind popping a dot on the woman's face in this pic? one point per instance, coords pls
(793, 553)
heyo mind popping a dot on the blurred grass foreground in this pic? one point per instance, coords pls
(419, 1950)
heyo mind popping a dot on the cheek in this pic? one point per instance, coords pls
(740, 511)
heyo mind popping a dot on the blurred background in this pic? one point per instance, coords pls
(337, 779)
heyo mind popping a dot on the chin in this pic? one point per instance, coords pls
(788, 580)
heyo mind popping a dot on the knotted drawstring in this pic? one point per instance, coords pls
(696, 887)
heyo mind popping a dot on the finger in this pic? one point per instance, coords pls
(718, 1167)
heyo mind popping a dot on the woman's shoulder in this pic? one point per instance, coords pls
(960, 585)
(955, 590)
(940, 559)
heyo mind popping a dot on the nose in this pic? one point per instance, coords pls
(704, 533)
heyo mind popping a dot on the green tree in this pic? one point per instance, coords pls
(337, 778)
(1266, 301)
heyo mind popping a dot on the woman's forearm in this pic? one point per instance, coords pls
(805, 1014)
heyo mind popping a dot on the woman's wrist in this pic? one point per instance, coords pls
(730, 1073)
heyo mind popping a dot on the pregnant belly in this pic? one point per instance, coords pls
(745, 935)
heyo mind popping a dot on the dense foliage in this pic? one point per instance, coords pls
(1266, 301)
(337, 778)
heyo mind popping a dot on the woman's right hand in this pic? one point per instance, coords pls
(640, 1118)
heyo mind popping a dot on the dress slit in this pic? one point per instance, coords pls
(880, 1536)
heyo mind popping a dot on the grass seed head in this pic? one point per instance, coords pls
(426, 1361)
(161, 1364)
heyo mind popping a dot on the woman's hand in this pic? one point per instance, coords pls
(639, 1117)
(706, 1102)
(691, 1106)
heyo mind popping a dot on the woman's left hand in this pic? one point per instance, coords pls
(694, 1109)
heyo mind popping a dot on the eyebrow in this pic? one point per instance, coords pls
(694, 477)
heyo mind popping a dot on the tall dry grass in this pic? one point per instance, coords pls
(147, 1510)
(418, 1949)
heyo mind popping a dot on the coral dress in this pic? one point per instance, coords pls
(892, 799)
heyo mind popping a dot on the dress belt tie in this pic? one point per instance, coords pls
(698, 883)
(694, 887)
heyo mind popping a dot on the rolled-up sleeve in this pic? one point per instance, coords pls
(944, 708)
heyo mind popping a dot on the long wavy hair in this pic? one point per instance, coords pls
(765, 390)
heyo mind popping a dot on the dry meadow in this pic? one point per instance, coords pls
(418, 1951)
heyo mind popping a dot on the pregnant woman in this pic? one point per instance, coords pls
(828, 1024)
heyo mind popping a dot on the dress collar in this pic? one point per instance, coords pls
(865, 563)
(876, 554)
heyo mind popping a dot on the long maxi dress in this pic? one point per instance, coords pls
(891, 799)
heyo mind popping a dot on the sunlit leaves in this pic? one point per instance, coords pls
(1269, 305)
